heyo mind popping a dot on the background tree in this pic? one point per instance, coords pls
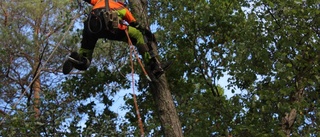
(276, 61)
(30, 31)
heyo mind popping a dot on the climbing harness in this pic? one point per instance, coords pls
(89, 23)
(110, 17)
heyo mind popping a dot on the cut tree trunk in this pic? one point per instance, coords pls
(161, 93)
(167, 112)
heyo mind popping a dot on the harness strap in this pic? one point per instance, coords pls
(110, 17)
(107, 5)
(106, 13)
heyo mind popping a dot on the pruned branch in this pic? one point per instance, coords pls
(288, 121)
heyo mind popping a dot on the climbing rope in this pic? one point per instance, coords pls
(137, 56)
(132, 51)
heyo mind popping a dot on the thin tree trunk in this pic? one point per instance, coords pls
(36, 84)
(36, 95)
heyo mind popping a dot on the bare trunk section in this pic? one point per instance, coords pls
(36, 85)
(167, 112)
(36, 74)
(36, 95)
(288, 121)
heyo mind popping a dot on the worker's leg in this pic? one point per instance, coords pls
(81, 60)
(148, 55)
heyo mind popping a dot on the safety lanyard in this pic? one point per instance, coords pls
(107, 5)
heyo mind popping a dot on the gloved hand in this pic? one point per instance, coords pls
(147, 32)
(136, 25)
(143, 30)
(140, 28)
(88, 1)
(123, 3)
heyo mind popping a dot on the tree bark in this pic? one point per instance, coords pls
(289, 119)
(167, 112)
(161, 93)
(36, 95)
(36, 74)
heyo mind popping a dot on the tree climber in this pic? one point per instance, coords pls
(103, 22)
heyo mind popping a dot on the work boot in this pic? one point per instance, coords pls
(67, 67)
(79, 62)
(158, 68)
(150, 60)
(165, 66)
(85, 57)
(75, 61)
(69, 64)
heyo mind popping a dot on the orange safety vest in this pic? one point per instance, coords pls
(113, 6)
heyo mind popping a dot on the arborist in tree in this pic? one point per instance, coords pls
(105, 21)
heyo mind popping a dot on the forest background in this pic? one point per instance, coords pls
(268, 49)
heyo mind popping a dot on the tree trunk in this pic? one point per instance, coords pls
(167, 112)
(36, 74)
(36, 95)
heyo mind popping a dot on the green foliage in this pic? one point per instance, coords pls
(274, 60)
(30, 29)
(194, 34)
(261, 49)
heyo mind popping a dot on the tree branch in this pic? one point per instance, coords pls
(3, 113)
